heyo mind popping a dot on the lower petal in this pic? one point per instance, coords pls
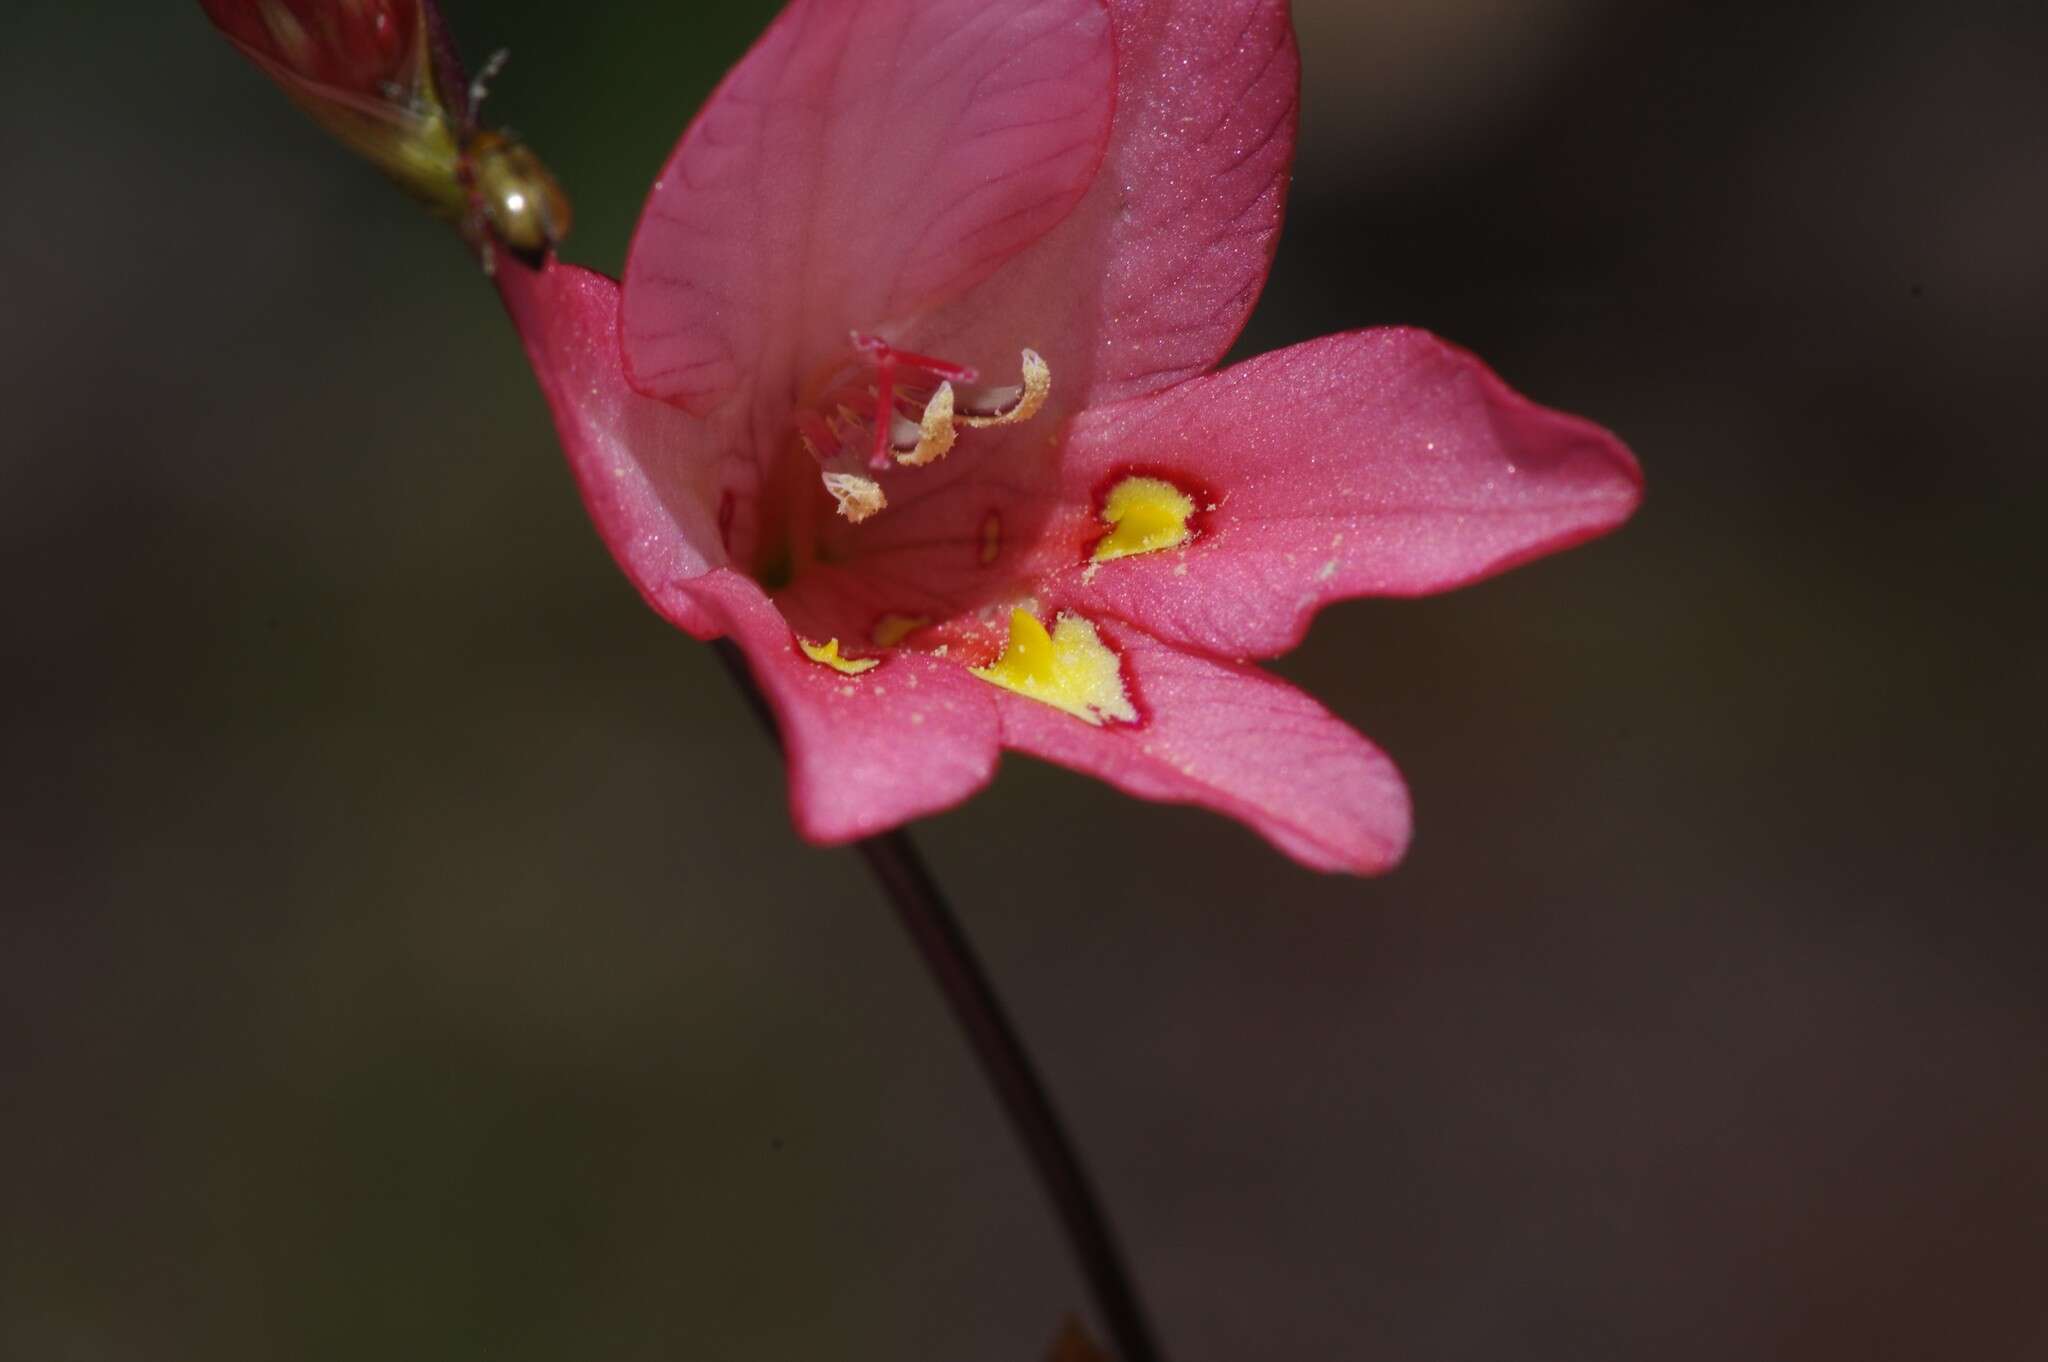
(1376, 463)
(1234, 739)
(909, 737)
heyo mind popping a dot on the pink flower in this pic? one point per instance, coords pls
(781, 425)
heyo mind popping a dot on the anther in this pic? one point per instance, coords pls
(1007, 406)
(905, 409)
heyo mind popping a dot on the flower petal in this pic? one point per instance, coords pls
(1377, 463)
(1151, 278)
(865, 161)
(907, 738)
(650, 475)
(1236, 740)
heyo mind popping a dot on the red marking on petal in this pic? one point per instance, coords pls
(969, 641)
(1206, 500)
(1134, 689)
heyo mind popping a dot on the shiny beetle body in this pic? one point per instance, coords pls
(514, 192)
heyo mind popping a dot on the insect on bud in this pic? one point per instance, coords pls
(383, 78)
(518, 197)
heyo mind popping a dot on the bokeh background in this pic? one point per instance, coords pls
(406, 953)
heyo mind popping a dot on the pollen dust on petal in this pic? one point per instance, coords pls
(1071, 669)
(828, 654)
(1144, 515)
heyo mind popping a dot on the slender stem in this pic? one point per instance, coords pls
(921, 907)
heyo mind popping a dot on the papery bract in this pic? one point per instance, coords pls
(782, 430)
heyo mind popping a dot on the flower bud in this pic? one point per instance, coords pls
(351, 47)
(382, 77)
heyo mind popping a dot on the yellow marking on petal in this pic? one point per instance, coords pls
(891, 630)
(935, 433)
(991, 537)
(1024, 400)
(828, 653)
(858, 497)
(1144, 515)
(1071, 668)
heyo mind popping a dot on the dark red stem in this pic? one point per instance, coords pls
(921, 907)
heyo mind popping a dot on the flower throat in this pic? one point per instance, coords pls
(876, 408)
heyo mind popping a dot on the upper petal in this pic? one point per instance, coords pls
(865, 161)
(651, 476)
(1384, 463)
(1150, 279)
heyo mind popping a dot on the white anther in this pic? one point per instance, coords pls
(1007, 406)
(935, 433)
(859, 497)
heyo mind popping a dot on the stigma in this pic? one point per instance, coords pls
(880, 408)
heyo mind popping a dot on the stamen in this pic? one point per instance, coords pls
(858, 497)
(878, 349)
(935, 433)
(857, 429)
(818, 437)
(885, 411)
(1007, 406)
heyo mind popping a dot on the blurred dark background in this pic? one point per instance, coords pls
(406, 952)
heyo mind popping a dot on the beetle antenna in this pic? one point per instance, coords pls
(481, 86)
